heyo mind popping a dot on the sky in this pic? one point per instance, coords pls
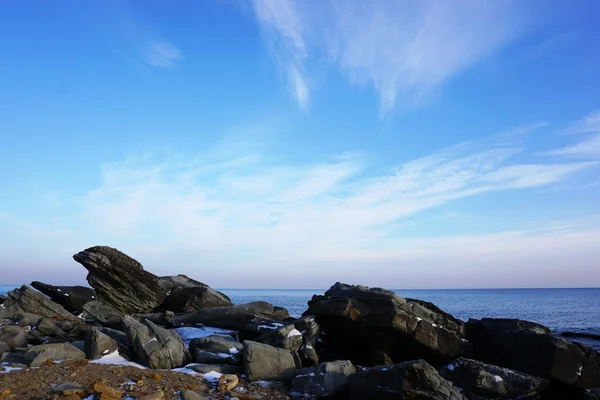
(286, 144)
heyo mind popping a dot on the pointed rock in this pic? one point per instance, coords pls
(72, 298)
(27, 300)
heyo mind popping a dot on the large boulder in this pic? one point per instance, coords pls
(120, 281)
(25, 300)
(98, 344)
(287, 337)
(37, 355)
(216, 349)
(14, 339)
(103, 314)
(324, 379)
(47, 327)
(72, 298)
(194, 298)
(408, 380)
(486, 381)
(368, 325)
(310, 336)
(264, 362)
(528, 347)
(154, 346)
(231, 317)
(435, 315)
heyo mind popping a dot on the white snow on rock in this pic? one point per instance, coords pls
(498, 378)
(115, 358)
(233, 350)
(188, 333)
(294, 332)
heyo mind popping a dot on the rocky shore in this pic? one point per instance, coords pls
(134, 335)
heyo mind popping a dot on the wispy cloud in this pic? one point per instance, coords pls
(586, 148)
(551, 45)
(248, 213)
(161, 55)
(403, 49)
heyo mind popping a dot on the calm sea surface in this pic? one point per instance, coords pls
(558, 309)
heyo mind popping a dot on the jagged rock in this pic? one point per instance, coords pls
(256, 327)
(36, 355)
(120, 281)
(2, 298)
(72, 298)
(362, 321)
(287, 337)
(194, 298)
(323, 379)
(159, 318)
(264, 362)
(119, 337)
(14, 339)
(310, 335)
(527, 347)
(154, 346)
(408, 380)
(103, 314)
(216, 349)
(435, 315)
(220, 368)
(181, 281)
(486, 381)
(47, 327)
(231, 317)
(27, 300)
(98, 344)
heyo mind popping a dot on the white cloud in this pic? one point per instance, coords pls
(161, 54)
(404, 49)
(586, 148)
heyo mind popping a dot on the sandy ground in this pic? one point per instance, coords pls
(39, 383)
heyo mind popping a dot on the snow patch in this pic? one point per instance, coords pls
(212, 376)
(294, 332)
(233, 350)
(115, 358)
(579, 370)
(188, 333)
(498, 378)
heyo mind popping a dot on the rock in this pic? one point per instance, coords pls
(154, 346)
(264, 362)
(362, 321)
(227, 382)
(287, 337)
(27, 319)
(11, 328)
(119, 337)
(27, 300)
(581, 335)
(231, 317)
(188, 295)
(79, 344)
(4, 348)
(256, 327)
(67, 386)
(157, 395)
(407, 380)
(47, 327)
(485, 381)
(13, 358)
(527, 347)
(216, 349)
(120, 281)
(220, 368)
(36, 355)
(435, 315)
(181, 281)
(2, 298)
(190, 395)
(159, 318)
(98, 344)
(35, 338)
(323, 379)
(310, 335)
(14, 339)
(72, 298)
(103, 314)
(106, 392)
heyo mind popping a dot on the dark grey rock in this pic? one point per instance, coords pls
(12, 357)
(287, 337)
(366, 325)
(72, 298)
(231, 317)
(217, 344)
(190, 395)
(435, 315)
(323, 379)
(120, 281)
(36, 355)
(408, 380)
(208, 357)
(4, 348)
(27, 300)
(2, 298)
(98, 344)
(11, 328)
(188, 295)
(68, 386)
(27, 319)
(154, 346)
(103, 314)
(264, 362)
(486, 381)
(47, 327)
(527, 347)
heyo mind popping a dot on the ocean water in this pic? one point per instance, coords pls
(559, 309)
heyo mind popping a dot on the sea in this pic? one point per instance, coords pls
(573, 310)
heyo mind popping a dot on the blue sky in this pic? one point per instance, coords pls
(293, 144)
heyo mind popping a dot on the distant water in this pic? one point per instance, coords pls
(559, 309)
